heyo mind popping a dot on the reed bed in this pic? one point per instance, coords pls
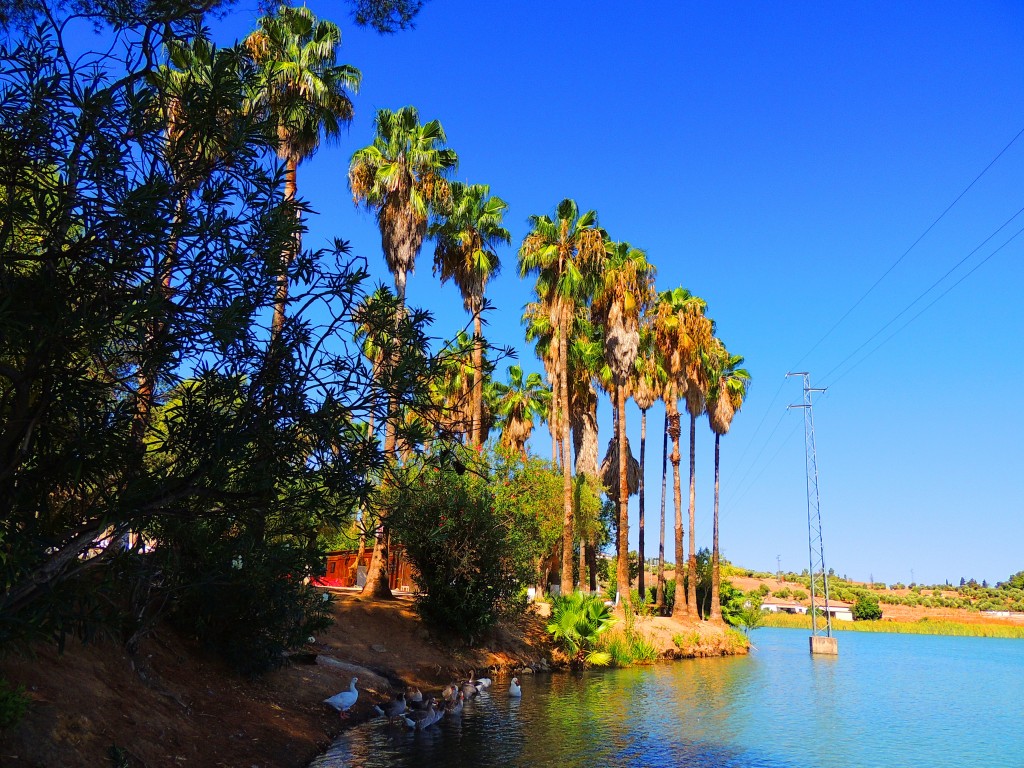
(921, 627)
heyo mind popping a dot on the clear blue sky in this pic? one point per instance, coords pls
(777, 160)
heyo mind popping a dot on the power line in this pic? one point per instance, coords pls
(930, 288)
(912, 246)
(760, 424)
(932, 303)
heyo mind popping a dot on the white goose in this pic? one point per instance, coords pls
(513, 688)
(344, 700)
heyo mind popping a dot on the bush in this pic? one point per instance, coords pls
(867, 608)
(13, 704)
(577, 623)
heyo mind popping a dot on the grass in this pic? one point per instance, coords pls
(922, 627)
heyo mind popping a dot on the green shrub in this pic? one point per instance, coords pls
(577, 623)
(867, 608)
(13, 704)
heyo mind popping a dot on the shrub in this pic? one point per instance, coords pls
(867, 608)
(751, 617)
(13, 704)
(577, 623)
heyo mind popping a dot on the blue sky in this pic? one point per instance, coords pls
(776, 160)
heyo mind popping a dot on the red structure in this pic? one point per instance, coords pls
(343, 570)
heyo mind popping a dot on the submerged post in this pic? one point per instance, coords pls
(821, 640)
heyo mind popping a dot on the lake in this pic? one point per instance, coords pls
(887, 700)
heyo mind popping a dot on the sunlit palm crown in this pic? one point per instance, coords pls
(301, 87)
(467, 239)
(401, 175)
(649, 377)
(681, 332)
(565, 254)
(201, 92)
(728, 385)
(517, 404)
(625, 292)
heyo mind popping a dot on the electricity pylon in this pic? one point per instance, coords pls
(815, 544)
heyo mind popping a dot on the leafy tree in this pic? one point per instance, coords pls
(517, 404)
(866, 608)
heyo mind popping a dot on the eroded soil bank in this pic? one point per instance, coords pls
(174, 705)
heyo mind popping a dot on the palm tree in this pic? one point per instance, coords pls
(517, 404)
(678, 349)
(646, 386)
(626, 291)
(401, 176)
(541, 331)
(564, 253)
(700, 331)
(467, 239)
(728, 389)
(305, 93)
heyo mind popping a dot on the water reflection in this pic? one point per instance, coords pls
(778, 708)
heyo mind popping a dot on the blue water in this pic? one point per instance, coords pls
(887, 700)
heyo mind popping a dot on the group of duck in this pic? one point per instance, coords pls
(418, 712)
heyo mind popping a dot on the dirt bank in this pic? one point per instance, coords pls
(174, 705)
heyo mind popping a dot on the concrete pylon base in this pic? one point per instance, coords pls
(825, 646)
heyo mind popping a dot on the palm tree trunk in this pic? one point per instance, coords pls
(622, 564)
(679, 608)
(716, 608)
(660, 595)
(281, 294)
(691, 587)
(567, 517)
(378, 581)
(476, 432)
(592, 563)
(641, 586)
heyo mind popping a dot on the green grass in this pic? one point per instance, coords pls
(922, 627)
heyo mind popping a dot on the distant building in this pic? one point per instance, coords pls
(839, 610)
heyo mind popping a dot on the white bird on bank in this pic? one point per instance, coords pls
(513, 688)
(344, 700)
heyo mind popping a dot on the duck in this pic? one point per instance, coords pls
(393, 708)
(343, 701)
(455, 709)
(449, 692)
(483, 683)
(513, 688)
(414, 695)
(428, 716)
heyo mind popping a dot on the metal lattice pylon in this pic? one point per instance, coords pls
(815, 544)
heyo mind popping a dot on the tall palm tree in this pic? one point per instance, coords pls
(700, 331)
(541, 331)
(627, 289)
(564, 253)
(467, 239)
(727, 391)
(305, 94)
(517, 404)
(678, 350)
(646, 386)
(401, 176)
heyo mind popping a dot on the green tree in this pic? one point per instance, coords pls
(467, 238)
(627, 289)
(517, 404)
(401, 177)
(728, 384)
(564, 254)
(305, 95)
(866, 608)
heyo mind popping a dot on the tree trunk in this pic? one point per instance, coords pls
(567, 517)
(622, 565)
(477, 429)
(716, 608)
(378, 582)
(592, 564)
(660, 596)
(642, 586)
(691, 588)
(281, 294)
(582, 565)
(679, 608)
